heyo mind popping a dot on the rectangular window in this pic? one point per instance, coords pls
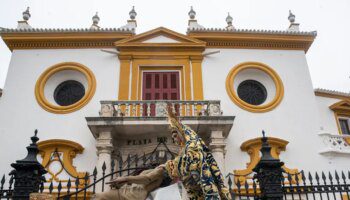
(344, 125)
(160, 86)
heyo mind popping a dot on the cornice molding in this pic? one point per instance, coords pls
(61, 40)
(331, 94)
(248, 40)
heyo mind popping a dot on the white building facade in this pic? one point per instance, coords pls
(97, 95)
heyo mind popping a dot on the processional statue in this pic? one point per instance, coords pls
(194, 166)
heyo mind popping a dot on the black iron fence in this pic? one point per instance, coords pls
(269, 180)
(298, 186)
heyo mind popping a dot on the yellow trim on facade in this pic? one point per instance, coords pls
(62, 40)
(246, 106)
(124, 77)
(44, 77)
(341, 109)
(197, 78)
(242, 40)
(67, 151)
(252, 147)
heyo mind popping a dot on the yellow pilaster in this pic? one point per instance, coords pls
(187, 78)
(124, 78)
(197, 78)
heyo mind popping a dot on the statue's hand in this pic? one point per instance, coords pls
(117, 182)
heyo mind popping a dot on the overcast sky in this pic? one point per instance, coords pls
(328, 57)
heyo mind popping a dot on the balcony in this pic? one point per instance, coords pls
(136, 127)
(146, 117)
(335, 144)
(157, 108)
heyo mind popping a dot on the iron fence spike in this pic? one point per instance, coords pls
(343, 175)
(323, 176)
(77, 182)
(303, 176)
(94, 172)
(120, 160)
(229, 182)
(112, 164)
(330, 176)
(104, 167)
(246, 185)
(69, 184)
(3, 180)
(289, 177)
(41, 187)
(336, 175)
(310, 177)
(317, 177)
(11, 180)
(50, 187)
(136, 160)
(238, 183)
(296, 177)
(59, 187)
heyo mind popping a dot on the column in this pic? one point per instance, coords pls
(217, 146)
(104, 148)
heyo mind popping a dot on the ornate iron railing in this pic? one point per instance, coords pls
(157, 108)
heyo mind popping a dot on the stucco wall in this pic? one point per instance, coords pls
(20, 113)
(294, 120)
(326, 115)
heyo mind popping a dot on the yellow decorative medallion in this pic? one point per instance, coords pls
(44, 77)
(257, 66)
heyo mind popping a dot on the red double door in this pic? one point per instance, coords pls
(160, 86)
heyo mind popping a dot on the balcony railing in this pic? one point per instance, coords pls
(335, 143)
(157, 108)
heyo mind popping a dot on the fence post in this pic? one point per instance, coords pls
(269, 173)
(28, 172)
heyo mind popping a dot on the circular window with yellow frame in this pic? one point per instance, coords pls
(249, 73)
(59, 74)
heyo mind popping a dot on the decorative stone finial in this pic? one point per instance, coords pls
(192, 13)
(293, 26)
(95, 19)
(132, 13)
(263, 133)
(229, 20)
(192, 22)
(131, 23)
(291, 17)
(23, 24)
(26, 14)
